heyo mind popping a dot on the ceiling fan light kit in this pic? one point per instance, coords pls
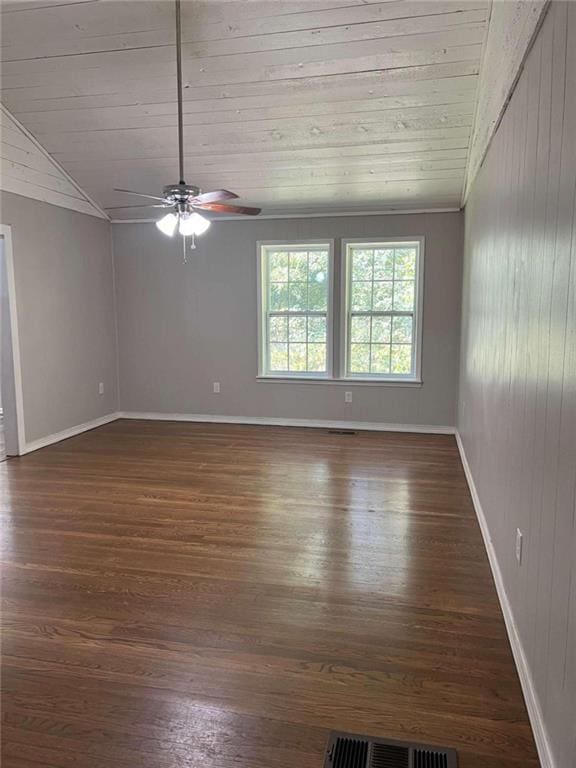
(186, 200)
(193, 224)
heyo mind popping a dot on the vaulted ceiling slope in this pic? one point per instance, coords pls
(296, 105)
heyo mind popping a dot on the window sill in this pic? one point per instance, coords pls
(340, 382)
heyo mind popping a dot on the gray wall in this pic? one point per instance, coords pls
(517, 413)
(182, 327)
(64, 289)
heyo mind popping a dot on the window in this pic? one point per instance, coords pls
(375, 315)
(381, 300)
(296, 309)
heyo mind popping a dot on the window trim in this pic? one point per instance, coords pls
(416, 377)
(263, 373)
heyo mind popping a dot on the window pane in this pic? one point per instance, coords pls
(380, 362)
(297, 357)
(317, 329)
(297, 329)
(382, 301)
(318, 267)
(360, 329)
(278, 267)
(401, 358)
(298, 297)
(359, 358)
(299, 267)
(278, 357)
(402, 330)
(361, 300)
(381, 330)
(278, 329)
(404, 296)
(317, 357)
(384, 264)
(405, 264)
(278, 297)
(362, 264)
(318, 297)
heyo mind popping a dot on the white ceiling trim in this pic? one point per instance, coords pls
(27, 169)
(512, 28)
(323, 215)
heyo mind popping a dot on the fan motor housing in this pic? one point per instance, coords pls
(180, 192)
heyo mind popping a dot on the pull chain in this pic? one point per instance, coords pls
(192, 247)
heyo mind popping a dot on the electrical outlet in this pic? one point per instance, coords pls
(347, 397)
(101, 388)
(519, 538)
(216, 387)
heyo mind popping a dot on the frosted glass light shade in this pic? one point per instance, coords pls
(193, 224)
(167, 224)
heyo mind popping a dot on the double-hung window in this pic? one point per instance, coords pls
(381, 309)
(368, 329)
(296, 309)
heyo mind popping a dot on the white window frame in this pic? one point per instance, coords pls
(263, 372)
(416, 376)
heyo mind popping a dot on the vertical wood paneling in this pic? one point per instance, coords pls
(511, 28)
(517, 412)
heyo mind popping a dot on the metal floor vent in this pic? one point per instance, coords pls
(345, 750)
(342, 432)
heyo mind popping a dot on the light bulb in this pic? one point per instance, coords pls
(193, 224)
(167, 224)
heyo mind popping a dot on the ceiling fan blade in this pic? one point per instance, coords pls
(214, 197)
(150, 205)
(131, 192)
(224, 208)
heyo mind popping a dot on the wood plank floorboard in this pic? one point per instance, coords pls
(182, 595)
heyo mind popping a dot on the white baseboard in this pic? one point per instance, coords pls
(219, 419)
(56, 437)
(371, 426)
(524, 673)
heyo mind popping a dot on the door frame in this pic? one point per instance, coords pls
(6, 235)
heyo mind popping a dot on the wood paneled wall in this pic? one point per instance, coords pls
(26, 169)
(517, 411)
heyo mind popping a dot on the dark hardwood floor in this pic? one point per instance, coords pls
(183, 595)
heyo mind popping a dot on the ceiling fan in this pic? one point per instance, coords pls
(184, 199)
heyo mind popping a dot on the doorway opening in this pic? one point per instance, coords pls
(11, 406)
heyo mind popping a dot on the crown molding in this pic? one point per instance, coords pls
(323, 215)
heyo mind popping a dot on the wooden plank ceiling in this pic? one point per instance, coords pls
(296, 105)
